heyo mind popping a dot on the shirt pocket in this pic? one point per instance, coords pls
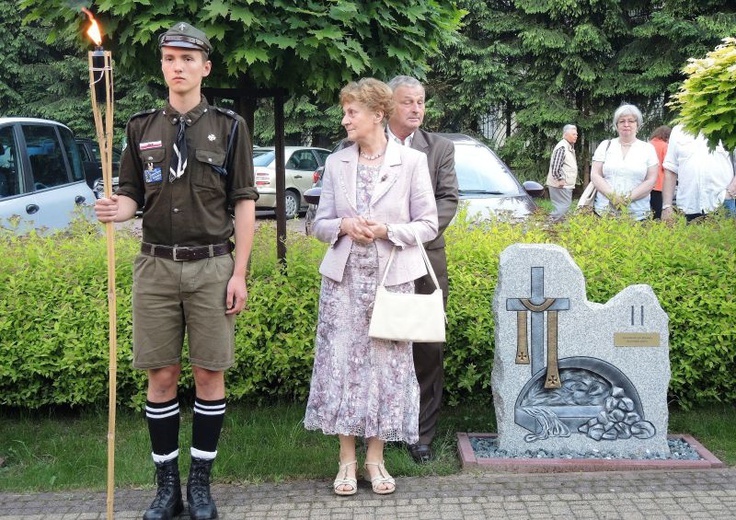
(153, 164)
(208, 162)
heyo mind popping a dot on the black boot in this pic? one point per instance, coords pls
(168, 503)
(201, 505)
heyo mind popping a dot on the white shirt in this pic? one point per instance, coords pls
(702, 176)
(625, 173)
(405, 142)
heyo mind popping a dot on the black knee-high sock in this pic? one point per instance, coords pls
(163, 427)
(207, 424)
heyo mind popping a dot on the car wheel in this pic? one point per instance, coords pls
(292, 204)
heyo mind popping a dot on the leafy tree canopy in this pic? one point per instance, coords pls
(535, 65)
(305, 46)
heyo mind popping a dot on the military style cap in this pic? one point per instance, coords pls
(184, 35)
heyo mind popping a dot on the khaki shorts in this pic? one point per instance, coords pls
(171, 298)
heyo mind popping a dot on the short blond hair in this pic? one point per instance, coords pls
(372, 93)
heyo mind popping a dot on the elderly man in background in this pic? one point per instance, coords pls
(403, 127)
(704, 180)
(563, 172)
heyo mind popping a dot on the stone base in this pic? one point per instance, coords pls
(528, 465)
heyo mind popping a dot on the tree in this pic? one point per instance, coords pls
(706, 98)
(542, 63)
(304, 46)
(52, 81)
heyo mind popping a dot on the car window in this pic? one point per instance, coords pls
(72, 154)
(264, 159)
(45, 155)
(84, 152)
(322, 156)
(302, 160)
(480, 171)
(10, 173)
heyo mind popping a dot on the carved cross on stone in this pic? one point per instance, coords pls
(538, 305)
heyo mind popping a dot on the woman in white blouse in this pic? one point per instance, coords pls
(624, 169)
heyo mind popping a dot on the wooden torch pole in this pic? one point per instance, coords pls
(100, 82)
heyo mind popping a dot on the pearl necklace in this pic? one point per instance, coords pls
(371, 157)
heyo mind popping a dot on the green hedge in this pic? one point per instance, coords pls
(54, 320)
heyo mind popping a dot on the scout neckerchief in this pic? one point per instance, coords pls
(179, 163)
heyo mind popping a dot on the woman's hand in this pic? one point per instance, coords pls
(358, 229)
(379, 229)
(620, 202)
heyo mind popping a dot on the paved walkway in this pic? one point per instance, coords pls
(646, 495)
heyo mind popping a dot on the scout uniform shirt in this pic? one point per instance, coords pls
(194, 209)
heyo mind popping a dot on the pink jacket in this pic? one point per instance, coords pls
(403, 199)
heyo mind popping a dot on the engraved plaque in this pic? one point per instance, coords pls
(636, 339)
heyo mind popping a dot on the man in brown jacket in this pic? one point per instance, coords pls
(403, 127)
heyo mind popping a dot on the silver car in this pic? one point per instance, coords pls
(300, 164)
(42, 182)
(487, 187)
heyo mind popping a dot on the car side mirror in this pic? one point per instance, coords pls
(312, 195)
(534, 189)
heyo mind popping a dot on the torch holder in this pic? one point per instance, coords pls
(101, 91)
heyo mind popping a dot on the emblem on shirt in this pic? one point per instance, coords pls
(211, 137)
(149, 145)
(152, 175)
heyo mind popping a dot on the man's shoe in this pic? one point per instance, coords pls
(421, 453)
(168, 503)
(201, 505)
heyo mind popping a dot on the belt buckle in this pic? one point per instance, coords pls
(174, 256)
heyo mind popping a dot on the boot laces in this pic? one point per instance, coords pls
(199, 487)
(166, 480)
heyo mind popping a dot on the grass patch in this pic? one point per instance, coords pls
(58, 450)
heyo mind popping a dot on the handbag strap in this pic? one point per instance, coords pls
(424, 257)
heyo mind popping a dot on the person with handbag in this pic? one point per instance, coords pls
(624, 169)
(376, 197)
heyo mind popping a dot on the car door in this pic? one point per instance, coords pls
(55, 187)
(299, 169)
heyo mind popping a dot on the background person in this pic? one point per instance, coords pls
(403, 127)
(563, 172)
(624, 169)
(185, 278)
(375, 194)
(704, 180)
(659, 139)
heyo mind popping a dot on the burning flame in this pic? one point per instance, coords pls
(94, 30)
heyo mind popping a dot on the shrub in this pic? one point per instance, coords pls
(54, 319)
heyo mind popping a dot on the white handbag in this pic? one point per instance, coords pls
(408, 317)
(587, 199)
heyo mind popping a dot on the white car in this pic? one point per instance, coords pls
(42, 182)
(300, 165)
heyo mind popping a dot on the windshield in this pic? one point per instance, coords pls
(480, 171)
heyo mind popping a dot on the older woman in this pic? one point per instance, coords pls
(375, 195)
(624, 169)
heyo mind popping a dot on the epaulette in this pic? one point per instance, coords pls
(227, 112)
(144, 113)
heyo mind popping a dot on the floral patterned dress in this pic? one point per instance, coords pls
(361, 386)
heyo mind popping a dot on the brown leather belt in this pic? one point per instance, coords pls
(186, 253)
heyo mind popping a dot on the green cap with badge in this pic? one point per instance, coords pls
(186, 36)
